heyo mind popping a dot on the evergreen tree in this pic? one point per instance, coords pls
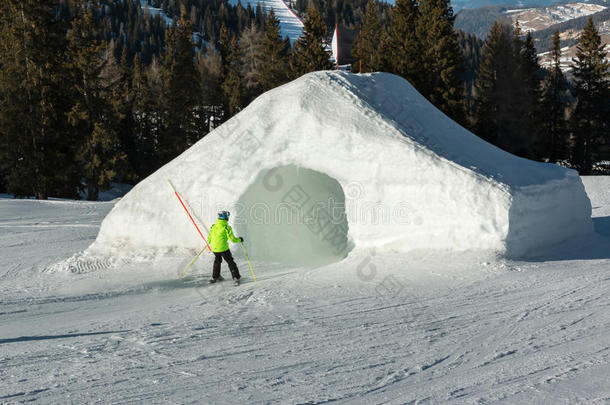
(210, 71)
(385, 52)
(181, 91)
(63, 117)
(91, 115)
(275, 56)
(143, 107)
(232, 86)
(405, 53)
(553, 142)
(36, 146)
(224, 48)
(471, 49)
(309, 52)
(116, 81)
(367, 47)
(155, 77)
(590, 118)
(528, 96)
(506, 91)
(441, 58)
(530, 67)
(496, 116)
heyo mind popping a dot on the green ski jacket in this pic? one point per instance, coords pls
(220, 234)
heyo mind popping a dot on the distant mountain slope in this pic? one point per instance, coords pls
(513, 4)
(569, 51)
(474, 4)
(570, 30)
(541, 21)
(480, 20)
(535, 19)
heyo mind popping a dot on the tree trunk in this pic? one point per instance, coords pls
(92, 192)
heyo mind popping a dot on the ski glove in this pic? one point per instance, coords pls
(241, 239)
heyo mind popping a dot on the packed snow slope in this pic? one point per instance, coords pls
(291, 25)
(376, 328)
(334, 162)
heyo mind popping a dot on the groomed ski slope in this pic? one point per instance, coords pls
(291, 25)
(462, 329)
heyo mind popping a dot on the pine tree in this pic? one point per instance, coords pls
(385, 52)
(232, 86)
(36, 145)
(506, 93)
(441, 58)
(590, 118)
(224, 48)
(529, 95)
(99, 159)
(405, 52)
(275, 68)
(116, 82)
(367, 47)
(143, 107)
(156, 85)
(309, 52)
(553, 142)
(91, 115)
(181, 91)
(210, 71)
(472, 48)
(495, 115)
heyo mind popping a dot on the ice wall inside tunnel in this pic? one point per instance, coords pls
(294, 215)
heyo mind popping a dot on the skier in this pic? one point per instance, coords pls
(219, 235)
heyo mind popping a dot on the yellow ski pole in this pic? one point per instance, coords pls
(189, 266)
(248, 259)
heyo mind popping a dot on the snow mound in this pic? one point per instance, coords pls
(334, 162)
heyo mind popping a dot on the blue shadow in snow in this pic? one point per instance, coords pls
(602, 225)
(49, 337)
(595, 246)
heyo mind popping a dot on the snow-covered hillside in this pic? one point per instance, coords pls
(535, 19)
(290, 24)
(569, 52)
(153, 11)
(473, 4)
(375, 328)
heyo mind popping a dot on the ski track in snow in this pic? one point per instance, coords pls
(375, 328)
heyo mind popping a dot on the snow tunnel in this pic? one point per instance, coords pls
(294, 216)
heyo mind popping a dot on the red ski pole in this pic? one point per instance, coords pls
(189, 214)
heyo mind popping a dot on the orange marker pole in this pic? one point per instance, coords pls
(189, 214)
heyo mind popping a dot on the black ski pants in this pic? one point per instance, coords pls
(229, 259)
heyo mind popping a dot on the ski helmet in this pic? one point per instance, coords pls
(224, 215)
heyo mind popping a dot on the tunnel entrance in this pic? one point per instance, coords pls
(294, 216)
